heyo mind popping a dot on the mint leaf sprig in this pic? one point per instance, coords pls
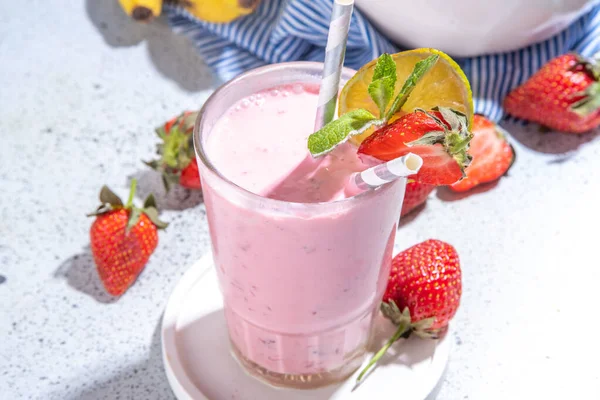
(340, 130)
(420, 69)
(381, 89)
(382, 86)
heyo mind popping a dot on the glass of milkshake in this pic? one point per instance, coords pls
(302, 264)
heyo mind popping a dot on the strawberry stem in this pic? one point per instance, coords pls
(457, 143)
(403, 327)
(131, 193)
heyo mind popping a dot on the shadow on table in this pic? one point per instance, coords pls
(400, 352)
(403, 353)
(411, 216)
(81, 274)
(173, 55)
(145, 380)
(536, 139)
(447, 194)
(178, 198)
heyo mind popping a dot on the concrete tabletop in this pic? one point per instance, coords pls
(82, 86)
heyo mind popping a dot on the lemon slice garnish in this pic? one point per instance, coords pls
(445, 85)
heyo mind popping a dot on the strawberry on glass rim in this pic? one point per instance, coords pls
(390, 129)
(440, 137)
(452, 89)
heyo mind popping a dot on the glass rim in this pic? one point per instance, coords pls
(203, 157)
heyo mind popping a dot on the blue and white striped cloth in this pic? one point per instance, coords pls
(289, 30)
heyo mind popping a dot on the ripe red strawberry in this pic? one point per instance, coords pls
(426, 279)
(563, 95)
(190, 176)
(178, 163)
(423, 292)
(415, 195)
(440, 137)
(122, 239)
(492, 155)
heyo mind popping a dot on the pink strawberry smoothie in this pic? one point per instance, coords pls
(301, 282)
(267, 135)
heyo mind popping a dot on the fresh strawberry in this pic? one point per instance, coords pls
(492, 155)
(426, 279)
(440, 137)
(563, 95)
(178, 163)
(122, 239)
(423, 292)
(415, 195)
(190, 176)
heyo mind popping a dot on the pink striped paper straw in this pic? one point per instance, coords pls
(381, 174)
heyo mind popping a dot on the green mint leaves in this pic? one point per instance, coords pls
(421, 68)
(381, 89)
(338, 131)
(383, 84)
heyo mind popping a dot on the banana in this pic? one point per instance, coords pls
(142, 10)
(219, 11)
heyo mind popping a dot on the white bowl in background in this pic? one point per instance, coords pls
(472, 27)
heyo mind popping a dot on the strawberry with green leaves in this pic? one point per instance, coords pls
(423, 293)
(122, 238)
(439, 136)
(381, 90)
(177, 162)
(563, 95)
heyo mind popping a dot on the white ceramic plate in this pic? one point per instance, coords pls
(199, 364)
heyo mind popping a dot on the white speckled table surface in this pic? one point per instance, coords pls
(81, 87)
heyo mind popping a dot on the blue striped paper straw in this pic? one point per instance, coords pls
(334, 59)
(381, 174)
